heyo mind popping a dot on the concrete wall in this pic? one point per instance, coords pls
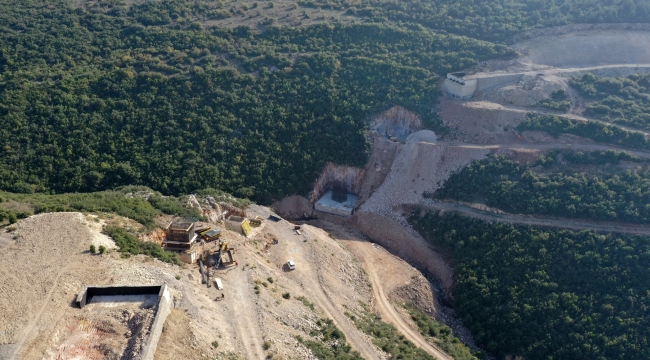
(496, 80)
(466, 87)
(459, 90)
(88, 292)
(333, 210)
(164, 308)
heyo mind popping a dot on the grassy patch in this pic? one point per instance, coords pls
(386, 337)
(440, 334)
(135, 202)
(306, 302)
(129, 245)
(331, 343)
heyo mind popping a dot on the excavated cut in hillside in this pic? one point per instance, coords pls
(396, 122)
(337, 177)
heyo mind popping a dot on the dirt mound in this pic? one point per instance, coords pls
(294, 208)
(480, 122)
(394, 236)
(422, 136)
(397, 122)
(419, 168)
(527, 92)
(378, 166)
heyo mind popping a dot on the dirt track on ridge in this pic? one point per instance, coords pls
(574, 224)
(387, 309)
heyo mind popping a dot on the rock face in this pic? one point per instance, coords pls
(294, 208)
(397, 122)
(342, 177)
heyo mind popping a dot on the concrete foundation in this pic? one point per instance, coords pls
(328, 205)
(163, 308)
(466, 86)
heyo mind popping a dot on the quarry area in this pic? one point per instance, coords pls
(237, 297)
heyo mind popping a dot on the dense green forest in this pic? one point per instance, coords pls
(91, 99)
(494, 20)
(620, 100)
(547, 294)
(597, 131)
(550, 188)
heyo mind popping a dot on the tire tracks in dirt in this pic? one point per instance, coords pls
(320, 297)
(388, 312)
(249, 337)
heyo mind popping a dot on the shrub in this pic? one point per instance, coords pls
(270, 279)
(93, 250)
(129, 244)
(102, 249)
(215, 344)
(286, 296)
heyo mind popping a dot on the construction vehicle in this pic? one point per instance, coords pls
(256, 222)
(223, 255)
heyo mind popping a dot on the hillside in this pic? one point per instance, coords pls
(511, 224)
(102, 97)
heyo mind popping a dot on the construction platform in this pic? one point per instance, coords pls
(130, 318)
(341, 204)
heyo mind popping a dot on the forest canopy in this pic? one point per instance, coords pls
(544, 293)
(92, 99)
(494, 20)
(550, 188)
(624, 101)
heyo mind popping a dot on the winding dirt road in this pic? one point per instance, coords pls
(574, 224)
(376, 260)
(388, 312)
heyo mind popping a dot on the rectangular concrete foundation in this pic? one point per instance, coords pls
(328, 205)
(163, 307)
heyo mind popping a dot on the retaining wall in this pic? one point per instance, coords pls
(163, 308)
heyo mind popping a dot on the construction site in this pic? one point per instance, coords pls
(249, 274)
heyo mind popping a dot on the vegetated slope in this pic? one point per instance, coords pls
(541, 294)
(595, 130)
(142, 209)
(108, 96)
(619, 100)
(550, 188)
(493, 20)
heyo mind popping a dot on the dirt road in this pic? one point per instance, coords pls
(246, 324)
(574, 224)
(573, 114)
(381, 267)
(323, 301)
(544, 147)
(388, 312)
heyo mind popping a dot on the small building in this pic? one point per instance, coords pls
(180, 232)
(189, 256)
(180, 237)
(457, 85)
(337, 203)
